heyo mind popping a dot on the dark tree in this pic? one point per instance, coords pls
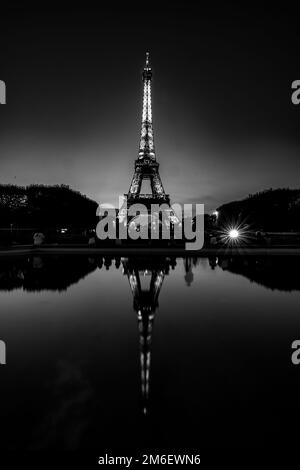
(45, 206)
(270, 210)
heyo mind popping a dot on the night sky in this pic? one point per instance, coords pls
(224, 123)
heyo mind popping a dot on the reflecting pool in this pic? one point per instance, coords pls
(156, 353)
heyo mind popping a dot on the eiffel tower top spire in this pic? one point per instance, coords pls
(147, 59)
(146, 149)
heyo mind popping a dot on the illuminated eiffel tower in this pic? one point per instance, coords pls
(146, 166)
(145, 303)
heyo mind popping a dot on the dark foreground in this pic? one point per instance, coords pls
(125, 355)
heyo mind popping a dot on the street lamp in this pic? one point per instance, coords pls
(233, 234)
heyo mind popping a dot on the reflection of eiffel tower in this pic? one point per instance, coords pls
(145, 303)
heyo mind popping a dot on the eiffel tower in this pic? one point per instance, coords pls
(146, 167)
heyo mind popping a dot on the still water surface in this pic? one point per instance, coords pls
(146, 353)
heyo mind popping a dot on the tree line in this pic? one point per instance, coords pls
(45, 206)
(269, 210)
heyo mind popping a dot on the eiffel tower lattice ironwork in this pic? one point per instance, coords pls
(146, 166)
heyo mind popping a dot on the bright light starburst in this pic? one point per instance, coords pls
(235, 234)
